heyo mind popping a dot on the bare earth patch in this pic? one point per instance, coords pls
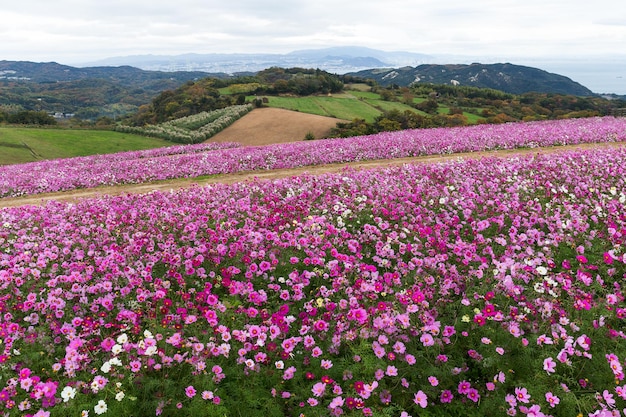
(266, 125)
(178, 183)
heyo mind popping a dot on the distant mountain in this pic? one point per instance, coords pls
(514, 79)
(53, 72)
(338, 60)
(386, 67)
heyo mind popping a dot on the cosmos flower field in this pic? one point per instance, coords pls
(224, 158)
(486, 287)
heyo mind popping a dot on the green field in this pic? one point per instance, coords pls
(20, 145)
(343, 107)
(353, 104)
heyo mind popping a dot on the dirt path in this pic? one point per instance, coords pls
(173, 184)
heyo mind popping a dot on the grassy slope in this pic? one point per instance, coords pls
(343, 107)
(20, 145)
(350, 105)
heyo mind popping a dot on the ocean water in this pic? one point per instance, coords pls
(600, 75)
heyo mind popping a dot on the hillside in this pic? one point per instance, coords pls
(52, 72)
(514, 79)
(88, 93)
(114, 91)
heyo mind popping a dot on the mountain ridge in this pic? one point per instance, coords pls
(339, 59)
(507, 77)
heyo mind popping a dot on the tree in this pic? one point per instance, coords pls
(28, 117)
(429, 106)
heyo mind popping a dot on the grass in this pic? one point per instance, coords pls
(353, 104)
(344, 107)
(473, 118)
(21, 145)
(393, 105)
(365, 95)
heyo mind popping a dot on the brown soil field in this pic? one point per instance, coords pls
(249, 176)
(266, 125)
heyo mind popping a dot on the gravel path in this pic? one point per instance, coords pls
(74, 195)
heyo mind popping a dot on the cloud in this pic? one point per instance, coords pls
(79, 30)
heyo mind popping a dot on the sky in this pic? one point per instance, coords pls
(79, 31)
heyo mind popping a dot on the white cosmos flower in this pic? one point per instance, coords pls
(68, 393)
(101, 407)
(106, 367)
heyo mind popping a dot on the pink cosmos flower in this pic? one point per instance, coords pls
(336, 403)
(534, 411)
(446, 396)
(318, 389)
(420, 399)
(316, 352)
(391, 371)
(326, 364)
(464, 387)
(511, 400)
(552, 399)
(608, 398)
(289, 373)
(549, 365)
(522, 395)
(427, 339)
(399, 347)
(190, 391)
(473, 395)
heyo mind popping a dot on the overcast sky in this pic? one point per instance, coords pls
(73, 31)
(81, 31)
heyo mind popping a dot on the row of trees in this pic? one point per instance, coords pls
(27, 117)
(396, 120)
(502, 106)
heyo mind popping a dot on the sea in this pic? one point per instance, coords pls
(601, 75)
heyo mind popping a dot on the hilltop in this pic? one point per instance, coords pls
(514, 79)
